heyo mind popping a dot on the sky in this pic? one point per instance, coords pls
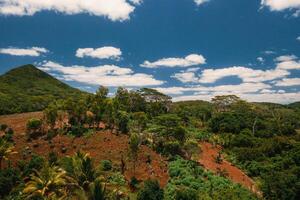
(188, 49)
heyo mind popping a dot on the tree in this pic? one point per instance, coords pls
(6, 149)
(157, 102)
(51, 114)
(223, 103)
(49, 182)
(150, 191)
(122, 121)
(34, 128)
(80, 168)
(138, 122)
(134, 148)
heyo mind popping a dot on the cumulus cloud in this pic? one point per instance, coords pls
(221, 89)
(136, 2)
(260, 59)
(100, 53)
(267, 97)
(288, 82)
(244, 73)
(298, 38)
(199, 2)
(32, 51)
(190, 60)
(115, 10)
(288, 62)
(186, 76)
(280, 5)
(107, 75)
(269, 52)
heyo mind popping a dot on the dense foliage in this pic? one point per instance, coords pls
(190, 181)
(27, 88)
(261, 138)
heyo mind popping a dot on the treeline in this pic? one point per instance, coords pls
(263, 139)
(260, 138)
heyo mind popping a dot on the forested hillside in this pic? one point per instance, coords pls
(141, 145)
(27, 88)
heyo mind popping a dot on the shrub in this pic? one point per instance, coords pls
(52, 158)
(150, 191)
(3, 127)
(106, 165)
(186, 194)
(34, 128)
(8, 180)
(117, 179)
(133, 183)
(77, 130)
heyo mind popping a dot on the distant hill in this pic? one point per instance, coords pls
(295, 105)
(26, 89)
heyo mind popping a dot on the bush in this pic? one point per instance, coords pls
(34, 128)
(9, 178)
(52, 158)
(77, 131)
(122, 121)
(133, 183)
(34, 124)
(3, 127)
(106, 165)
(186, 194)
(150, 191)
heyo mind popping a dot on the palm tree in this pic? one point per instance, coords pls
(80, 168)
(6, 149)
(96, 191)
(51, 182)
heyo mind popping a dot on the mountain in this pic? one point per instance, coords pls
(26, 89)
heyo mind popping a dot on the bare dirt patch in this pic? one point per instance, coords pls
(208, 160)
(102, 145)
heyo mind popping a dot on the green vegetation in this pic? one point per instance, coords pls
(263, 139)
(27, 89)
(190, 181)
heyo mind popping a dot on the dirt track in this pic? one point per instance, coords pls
(207, 159)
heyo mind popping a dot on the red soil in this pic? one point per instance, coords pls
(102, 145)
(208, 160)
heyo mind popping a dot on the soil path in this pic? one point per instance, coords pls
(208, 160)
(102, 145)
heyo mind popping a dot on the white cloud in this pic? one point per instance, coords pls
(279, 5)
(260, 59)
(186, 76)
(237, 89)
(288, 82)
(269, 52)
(101, 53)
(267, 97)
(136, 2)
(115, 10)
(32, 51)
(298, 38)
(190, 60)
(244, 73)
(107, 75)
(288, 62)
(199, 2)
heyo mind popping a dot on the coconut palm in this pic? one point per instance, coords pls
(95, 191)
(6, 149)
(51, 182)
(80, 168)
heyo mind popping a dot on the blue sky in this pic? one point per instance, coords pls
(189, 49)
